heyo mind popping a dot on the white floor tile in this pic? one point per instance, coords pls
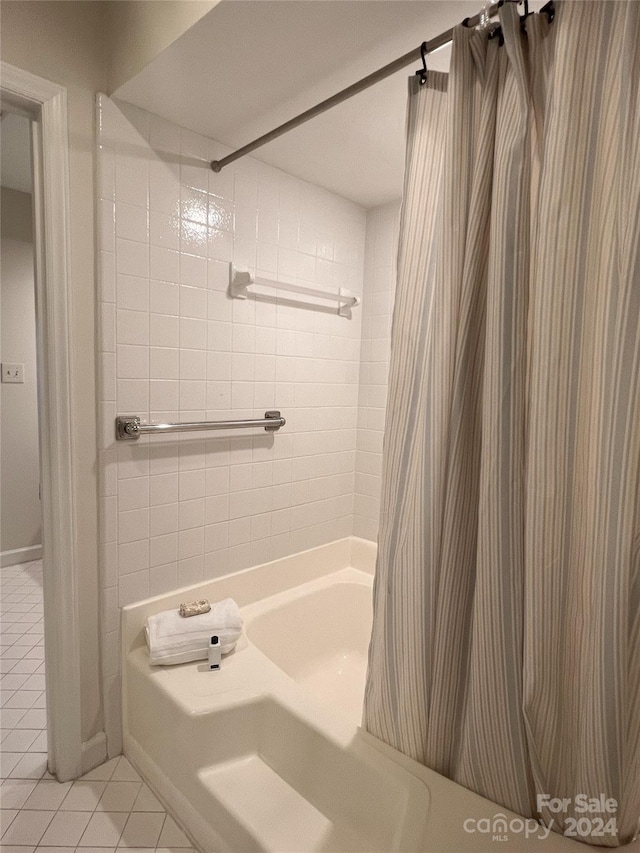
(18, 740)
(22, 699)
(36, 653)
(31, 618)
(41, 701)
(104, 829)
(27, 827)
(47, 795)
(102, 773)
(142, 829)
(9, 717)
(12, 682)
(124, 772)
(66, 829)
(32, 765)
(25, 666)
(33, 682)
(110, 808)
(6, 817)
(95, 850)
(147, 801)
(172, 835)
(119, 796)
(34, 718)
(42, 849)
(15, 792)
(40, 744)
(136, 849)
(5, 696)
(8, 761)
(83, 796)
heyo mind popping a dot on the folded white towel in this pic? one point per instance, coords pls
(173, 639)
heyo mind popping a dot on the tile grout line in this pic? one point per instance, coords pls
(47, 825)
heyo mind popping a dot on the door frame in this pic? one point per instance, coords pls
(46, 103)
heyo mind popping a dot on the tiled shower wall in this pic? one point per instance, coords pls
(377, 307)
(179, 509)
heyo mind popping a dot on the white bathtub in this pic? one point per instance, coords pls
(267, 754)
(318, 633)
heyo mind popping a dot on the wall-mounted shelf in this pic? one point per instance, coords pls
(241, 280)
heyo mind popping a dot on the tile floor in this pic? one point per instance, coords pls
(110, 807)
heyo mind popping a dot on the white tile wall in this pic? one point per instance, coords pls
(380, 282)
(175, 346)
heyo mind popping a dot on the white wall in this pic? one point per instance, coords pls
(379, 290)
(175, 346)
(64, 42)
(139, 30)
(20, 521)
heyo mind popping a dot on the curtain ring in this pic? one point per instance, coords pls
(496, 32)
(549, 10)
(422, 73)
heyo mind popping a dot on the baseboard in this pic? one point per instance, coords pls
(20, 555)
(94, 752)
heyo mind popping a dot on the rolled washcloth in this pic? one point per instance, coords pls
(173, 639)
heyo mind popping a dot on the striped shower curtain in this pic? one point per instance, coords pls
(505, 651)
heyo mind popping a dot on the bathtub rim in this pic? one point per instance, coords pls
(287, 573)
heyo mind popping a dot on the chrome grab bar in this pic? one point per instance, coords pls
(129, 428)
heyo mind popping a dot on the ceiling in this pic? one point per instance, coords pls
(249, 65)
(15, 145)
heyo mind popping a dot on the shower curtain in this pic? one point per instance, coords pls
(505, 651)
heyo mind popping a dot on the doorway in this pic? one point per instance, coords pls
(44, 105)
(23, 745)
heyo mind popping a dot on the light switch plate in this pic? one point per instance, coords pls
(13, 373)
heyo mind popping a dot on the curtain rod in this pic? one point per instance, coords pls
(370, 80)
